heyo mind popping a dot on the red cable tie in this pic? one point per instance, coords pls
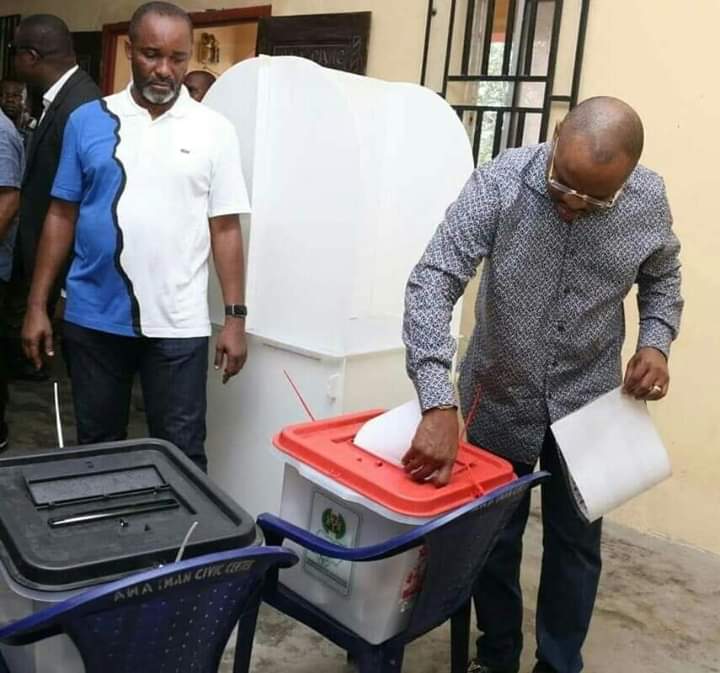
(299, 396)
(471, 415)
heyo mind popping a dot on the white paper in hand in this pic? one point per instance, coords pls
(612, 452)
(389, 435)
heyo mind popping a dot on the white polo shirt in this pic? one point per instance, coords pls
(145, 190)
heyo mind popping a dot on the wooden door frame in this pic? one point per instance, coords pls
(111, 32)
(323, 38)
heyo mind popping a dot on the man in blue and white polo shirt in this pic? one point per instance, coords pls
(149, 182)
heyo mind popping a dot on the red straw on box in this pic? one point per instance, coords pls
(299, 396)
(471, 414)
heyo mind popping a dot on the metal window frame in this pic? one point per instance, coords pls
(522, 71)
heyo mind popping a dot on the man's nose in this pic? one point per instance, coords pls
(162, 68)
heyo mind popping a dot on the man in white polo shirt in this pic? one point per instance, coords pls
(149, 182)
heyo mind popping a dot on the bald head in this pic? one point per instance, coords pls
(598, 146)
(607, 126)
(198, 82)
(43, 50)
(47, 34)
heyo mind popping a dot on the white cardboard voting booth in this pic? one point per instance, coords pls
(348, 178)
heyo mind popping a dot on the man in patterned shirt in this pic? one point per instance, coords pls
(563, 230)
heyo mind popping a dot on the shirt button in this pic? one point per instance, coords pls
(555, 363)
(561, 327)
(567, 290)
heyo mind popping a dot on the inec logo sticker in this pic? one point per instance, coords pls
(334, 523)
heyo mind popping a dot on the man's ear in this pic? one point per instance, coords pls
(128, 49)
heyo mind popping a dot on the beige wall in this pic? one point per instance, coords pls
(661, 62)
(396, 32)
(92, 14)
(396, 35)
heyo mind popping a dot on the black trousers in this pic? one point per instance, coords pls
(173, 374)
(569, 578)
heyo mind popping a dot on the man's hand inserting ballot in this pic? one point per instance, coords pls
(434, 447)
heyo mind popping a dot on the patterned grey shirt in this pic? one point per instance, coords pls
(549, 315)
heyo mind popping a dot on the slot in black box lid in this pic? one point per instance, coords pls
(74, 517)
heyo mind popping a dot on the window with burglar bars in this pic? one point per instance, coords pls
(508, 67)
(8, 24)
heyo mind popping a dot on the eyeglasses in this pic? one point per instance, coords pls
(15, 48)
(603, 204)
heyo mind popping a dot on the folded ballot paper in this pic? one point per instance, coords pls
(611, 451)
(389, 435)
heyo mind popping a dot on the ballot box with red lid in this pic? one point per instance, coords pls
(353, 498)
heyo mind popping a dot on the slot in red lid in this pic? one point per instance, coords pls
(327, 446)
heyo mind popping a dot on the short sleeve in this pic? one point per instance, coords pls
(11, 158)
(228, 192)
(68, 185)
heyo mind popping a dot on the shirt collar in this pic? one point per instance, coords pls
(51, 94)
(178, 109)
(536, 169)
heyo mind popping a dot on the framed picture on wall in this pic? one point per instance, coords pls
(338, 41)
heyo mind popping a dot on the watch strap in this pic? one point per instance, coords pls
(236, 310)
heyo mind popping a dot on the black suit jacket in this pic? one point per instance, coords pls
(42, 162)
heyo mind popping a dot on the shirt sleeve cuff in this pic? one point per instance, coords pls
(66, 194)
(229, 209)
(655, 334)
(434, 388)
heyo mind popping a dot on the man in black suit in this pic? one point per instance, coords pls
(45, 60)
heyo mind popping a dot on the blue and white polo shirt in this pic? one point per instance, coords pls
(145, 190)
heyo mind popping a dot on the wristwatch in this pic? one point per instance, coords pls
(236, 310)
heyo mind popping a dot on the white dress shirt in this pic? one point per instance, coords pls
(51, 94)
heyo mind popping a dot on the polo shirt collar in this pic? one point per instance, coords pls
(179, 108)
